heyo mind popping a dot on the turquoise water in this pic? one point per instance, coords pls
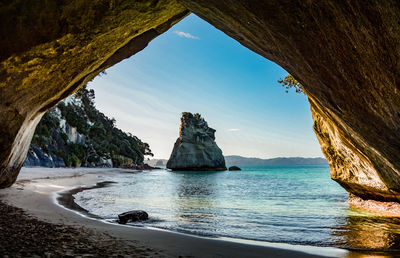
(297, 204)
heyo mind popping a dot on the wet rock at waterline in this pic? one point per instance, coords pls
(132, 216)
(196, 149)
(234, 168)
(344, 53)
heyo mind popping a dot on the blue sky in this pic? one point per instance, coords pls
(197, 68)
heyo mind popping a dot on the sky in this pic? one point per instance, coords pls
(194, 67)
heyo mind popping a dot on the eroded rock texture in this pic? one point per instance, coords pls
(346, 54)
(49, 48)
(195, 148)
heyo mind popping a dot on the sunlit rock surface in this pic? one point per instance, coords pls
(196, 149)
(49, 48)
(345, 53)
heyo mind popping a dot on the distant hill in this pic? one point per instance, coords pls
(156, 162)
(239, 160)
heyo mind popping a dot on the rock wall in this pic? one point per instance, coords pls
(49, 48)
(196, 149)
(37, 158)
(76, 132)
(345, 53)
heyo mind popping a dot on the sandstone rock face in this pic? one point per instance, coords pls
(196, 149)
(48, 49)
(345, 53)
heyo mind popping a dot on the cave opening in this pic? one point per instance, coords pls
(363, 157)
(195, 67)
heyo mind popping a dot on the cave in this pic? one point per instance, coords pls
(345, 54)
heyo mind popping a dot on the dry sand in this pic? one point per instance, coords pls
(37, 189)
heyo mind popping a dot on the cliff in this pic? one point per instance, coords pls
(344, 53)
(75, 133)
(196, 149)
(48, 49)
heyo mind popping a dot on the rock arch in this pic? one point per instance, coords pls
(345, 53)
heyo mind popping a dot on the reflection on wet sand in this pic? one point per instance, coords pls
(369, 254)
(368, 236)
(272, 204)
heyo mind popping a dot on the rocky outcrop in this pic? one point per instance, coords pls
(38, 158)
(159, 163)
(75, 133)
(132, 216)
(234, 168)
(142, 166)
(196, 149)
(48, 49)
(156, 162)
(344, 53)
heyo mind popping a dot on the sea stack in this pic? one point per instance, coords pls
(196, 149)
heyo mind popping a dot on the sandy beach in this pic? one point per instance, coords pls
(36, 192)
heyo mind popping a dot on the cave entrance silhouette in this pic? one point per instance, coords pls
(147, 93)
(343, 53)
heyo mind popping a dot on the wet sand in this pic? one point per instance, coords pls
(36, 192)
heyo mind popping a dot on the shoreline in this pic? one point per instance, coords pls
(37, 194)
(324, 251)
(65, 199)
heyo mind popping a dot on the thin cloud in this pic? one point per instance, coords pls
(233, 129)
(185, 35)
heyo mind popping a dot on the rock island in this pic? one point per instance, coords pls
(196, 149)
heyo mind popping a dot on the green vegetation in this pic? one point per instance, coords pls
(99, 137)
(290, 82)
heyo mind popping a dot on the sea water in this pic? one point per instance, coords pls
(296, 204)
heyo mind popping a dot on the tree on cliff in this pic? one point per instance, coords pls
(290, 82)
(101, 137)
